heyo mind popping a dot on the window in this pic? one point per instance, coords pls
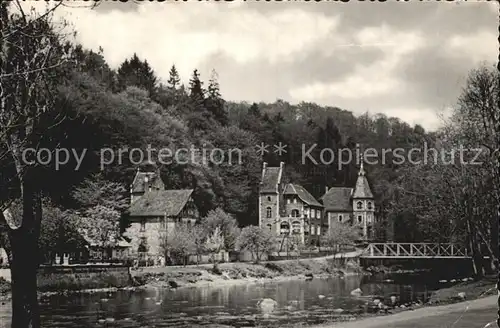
(295, 200)
(295, 213)
(340, 218)
(319, 230)
(270, 227)
(143, 226)
(288, 201)
(268, 198)
(296, 227)
(369, 205)
(360, 218)
(360, 205)
(313, 230)
(268, 212)
(313, 213)
(318, 214)
(284, 228)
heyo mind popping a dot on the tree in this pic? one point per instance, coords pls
(174, 80)
(178, 243)
(257, 240)
(214, 102)
(101, 226)
(135, 72)
(59, 232)
(31, 67)
(339, 235)
(214, 243)
(219, 222)
(196, 91)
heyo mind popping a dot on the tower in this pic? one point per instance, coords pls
(363, 205)
(269, 197)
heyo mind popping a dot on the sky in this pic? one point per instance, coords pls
(404, 59)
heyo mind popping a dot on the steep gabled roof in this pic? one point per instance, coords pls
(337, 199)
(302, 193)
(138, 185)
(161, 202)
(271, 178)
(362, 189)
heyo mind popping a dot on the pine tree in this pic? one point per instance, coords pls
(254, 110)
(214, 101)
(174, 80)
(134, 72)
(196, 91)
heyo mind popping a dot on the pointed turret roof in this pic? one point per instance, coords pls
(362, 189)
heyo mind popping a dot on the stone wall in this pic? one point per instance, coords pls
(76, 277)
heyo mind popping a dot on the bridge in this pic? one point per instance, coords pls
(414, 251)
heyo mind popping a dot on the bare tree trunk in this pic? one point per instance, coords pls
(25, 259)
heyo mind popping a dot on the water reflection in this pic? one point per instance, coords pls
(312, 301)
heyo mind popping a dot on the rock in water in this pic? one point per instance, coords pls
(461, 295)
(267, 305)
(321, 296)
(173, 284)
(357, 292)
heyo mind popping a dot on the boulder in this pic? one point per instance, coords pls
(357, 292)
(462, 295)
(173, 284)
(267, 305)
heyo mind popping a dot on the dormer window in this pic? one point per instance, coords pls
(369, 205)
(288, 201)
(359, 205)
(295, 200)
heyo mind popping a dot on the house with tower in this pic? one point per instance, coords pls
(289, 210)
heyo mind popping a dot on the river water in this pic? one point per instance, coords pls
(313, 302)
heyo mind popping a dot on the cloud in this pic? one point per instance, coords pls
(402, 59)
(477, 47)
(372, 79)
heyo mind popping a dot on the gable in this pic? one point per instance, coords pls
(337, 199)
(161, 203)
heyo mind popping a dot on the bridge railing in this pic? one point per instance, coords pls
(415, 250)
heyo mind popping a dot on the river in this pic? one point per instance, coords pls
(312, 302)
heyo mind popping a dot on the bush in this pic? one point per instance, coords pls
(273, 267)
(5, 286)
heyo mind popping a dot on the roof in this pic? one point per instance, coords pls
(337, 199)
(271, 177)
(161, 202)
(302, 193)
(362, 189)
(138, 185)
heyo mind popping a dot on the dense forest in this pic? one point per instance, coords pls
(58, 95)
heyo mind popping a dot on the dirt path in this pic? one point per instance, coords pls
(470, 314)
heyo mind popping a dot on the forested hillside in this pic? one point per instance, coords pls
(131, 108)
(97, 107)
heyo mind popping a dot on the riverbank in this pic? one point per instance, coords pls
(445, 303)
(238, 273)
(475, 313)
